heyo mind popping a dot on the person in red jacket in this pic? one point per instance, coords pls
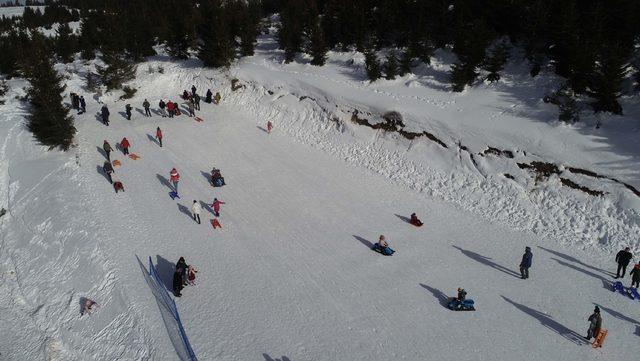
(117, 185)
(171, 107)
(124, 143)
(216, 206)
(175, 178)
(159, 136)
(269, 127)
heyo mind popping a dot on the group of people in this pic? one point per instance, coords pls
(78, 103)
(623, 258)
(108, 168)
(183, 275)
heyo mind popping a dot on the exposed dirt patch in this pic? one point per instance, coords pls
(393, 121)
(498, 152)
(568, 183)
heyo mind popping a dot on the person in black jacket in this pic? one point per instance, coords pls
(525, 264)
(105, 115)
(177, 282)
(182, 266)
(208, 96)
(623, 258)
(108, 170)
(127, 110)
(635, 276)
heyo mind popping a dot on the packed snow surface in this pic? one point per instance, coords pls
(291, 276)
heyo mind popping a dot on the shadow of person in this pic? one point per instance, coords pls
(604, 280)
(185, 210)
(164, 181)
(487, 261)
(269, 358)
(261, 128)
(123, 114)
(99, 117)
(83, 301)
(102, 152)
(153, 139)
(406, 219)
(101, 171)
(575, 260)
(165, 270)
(206, 207)
(206, 176)
(140, 111)
(548, 322)
(363, 241)
(439, 295)
(617, 314)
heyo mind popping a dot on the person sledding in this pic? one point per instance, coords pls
(107, 168)
(415, 221)
(383, 247)
(460, 302)
(174, 177)
(118, 186)
(124, 144)
(216, 206)
(217, 180)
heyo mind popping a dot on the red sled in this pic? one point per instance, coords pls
(177, 112)
(215, 223)
(417, 223)
(198, 119)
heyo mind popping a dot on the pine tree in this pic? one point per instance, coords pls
(391, 66)
(118, 70)
(610, 72)
(249, 22)
(65, 43)
(215, 48)
(318, 46)
(372, 66)
(291, 28)
(496, 60)
(49, 120)
(180, 32)
(139, 39)
(405, 63)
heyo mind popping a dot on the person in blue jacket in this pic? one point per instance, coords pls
(527, 259)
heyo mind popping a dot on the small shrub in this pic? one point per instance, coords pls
(128, 92)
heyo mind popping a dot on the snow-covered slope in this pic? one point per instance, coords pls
(290, 276)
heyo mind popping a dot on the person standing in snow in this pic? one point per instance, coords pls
(595, 323)
(196, 101)
(635, 276)
(107, 149)
(623, 258)
(83, 105)
(104, 112)
(146, 105)
(193, 90)
(208, 96)
(269, 126)
(177, 283)
(525, 264)
(216, 206)
(127, 110)
(216, 98)
(108, 170)
(124, 144)
(196, 208)
(182, 267)
(174, 177)
(170, 108)
(159, 136)
(162, 105)
(191, 107)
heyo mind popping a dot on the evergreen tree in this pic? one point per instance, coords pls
(249, 22)
(610, 72)
(65, 43)
(180, 32)
(496, 60)
(139, 39)
(291, 28)
(391, 66)
(317, 45)
(215, 48)
(118, 70)
(49, 120)
(88, 36)
(371, 65)
(405, 63)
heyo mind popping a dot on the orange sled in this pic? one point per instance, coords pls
(215, 223)
(116, 163)
(134, 156)
(599, 341)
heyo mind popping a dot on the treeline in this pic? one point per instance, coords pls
(9, 4)
(588, 42)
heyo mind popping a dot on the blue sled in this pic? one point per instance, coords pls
(174, 195)
(633, 293)
(466, 305)
(618, 287)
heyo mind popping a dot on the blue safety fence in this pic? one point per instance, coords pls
(170, 316)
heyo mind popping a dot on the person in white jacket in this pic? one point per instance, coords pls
(196, 208)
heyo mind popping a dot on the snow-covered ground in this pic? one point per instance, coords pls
(290, 276)
(14, 11)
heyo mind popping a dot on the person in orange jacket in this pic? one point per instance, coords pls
(216, 206)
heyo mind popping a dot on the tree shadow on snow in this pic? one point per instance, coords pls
(269, 358)
(185, 210)
(164, 181)
(363, 241)
(617, 314)
(153, 139)
(442, 298)
(406, 219)
(575, 260)
(548, 322)
(165, 271)
(261, 128)
(487, 261)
